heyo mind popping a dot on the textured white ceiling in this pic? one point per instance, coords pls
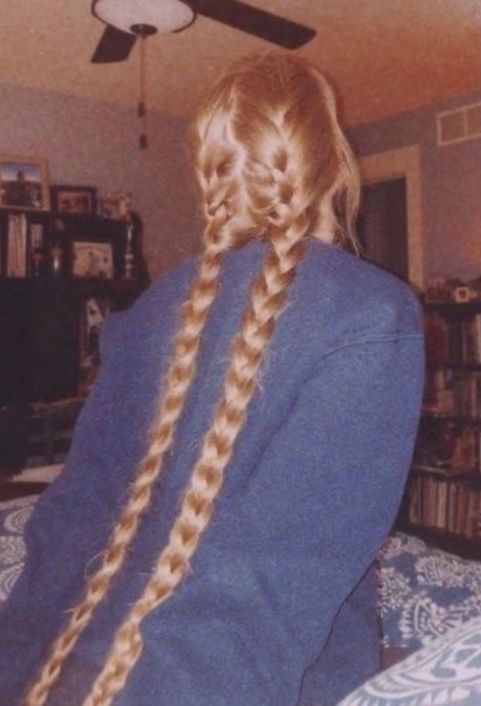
(384, 56)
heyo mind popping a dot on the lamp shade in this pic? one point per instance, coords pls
(165, 15)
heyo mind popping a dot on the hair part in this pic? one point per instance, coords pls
(274, 120)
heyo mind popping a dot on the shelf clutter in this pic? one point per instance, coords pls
(444, 491)
(36, 435)
(77, 238)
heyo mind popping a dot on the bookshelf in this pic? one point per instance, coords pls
(443, 498)
(51, 313)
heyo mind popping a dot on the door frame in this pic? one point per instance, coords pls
(394, 164)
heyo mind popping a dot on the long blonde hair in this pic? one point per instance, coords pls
(272, 163)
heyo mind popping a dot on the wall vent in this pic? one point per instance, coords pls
(459, 125)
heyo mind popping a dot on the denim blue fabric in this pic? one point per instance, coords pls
(279, 609)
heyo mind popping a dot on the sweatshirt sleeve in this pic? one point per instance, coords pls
(289, 544)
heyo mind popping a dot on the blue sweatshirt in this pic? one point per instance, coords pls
(279, 609)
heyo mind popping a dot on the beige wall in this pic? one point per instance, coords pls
(450, 183)
(93, 143)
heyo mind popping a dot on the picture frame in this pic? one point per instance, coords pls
(70, 199)
(115, 205)
(92, 259)
(93, 313)
(24, 183)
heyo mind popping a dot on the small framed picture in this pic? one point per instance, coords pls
(74, 199)
(24, 183)
(93, 313)
(116, 205)
(92, 259)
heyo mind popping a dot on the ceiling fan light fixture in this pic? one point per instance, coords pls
(163, 15)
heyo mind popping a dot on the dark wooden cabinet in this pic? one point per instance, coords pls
(45, 334)
(41, 333)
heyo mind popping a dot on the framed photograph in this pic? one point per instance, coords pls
(74, 199)
(24, 183)
(92, 259)
(116, 205)
(94, 311)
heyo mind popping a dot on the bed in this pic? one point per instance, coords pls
(426, 596)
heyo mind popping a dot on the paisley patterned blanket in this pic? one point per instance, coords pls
(427, 598)
(447, 672)
(13, 517)
(424, 592)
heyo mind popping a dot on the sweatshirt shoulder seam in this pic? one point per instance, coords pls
(373, 338)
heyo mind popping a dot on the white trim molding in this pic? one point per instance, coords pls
(404, 162)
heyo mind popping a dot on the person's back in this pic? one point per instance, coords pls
(295, 401)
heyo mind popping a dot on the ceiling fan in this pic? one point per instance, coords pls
(128, 19)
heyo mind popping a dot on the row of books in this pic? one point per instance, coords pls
(456, 341)
(453, 392)
(438, 504)
(19, 240)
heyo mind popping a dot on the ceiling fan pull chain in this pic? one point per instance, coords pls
(142, 106)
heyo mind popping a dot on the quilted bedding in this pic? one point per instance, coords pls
(424, 592)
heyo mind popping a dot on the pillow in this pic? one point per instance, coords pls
(13, 517)
(424, 592)
(447, 673)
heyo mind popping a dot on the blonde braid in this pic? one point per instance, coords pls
(178, 379)
(268, 295)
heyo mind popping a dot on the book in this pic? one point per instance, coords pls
(17, 245)
(437, 338)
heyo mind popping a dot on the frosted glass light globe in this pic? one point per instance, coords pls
(165, 15)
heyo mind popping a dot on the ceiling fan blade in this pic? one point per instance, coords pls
(114, 45)
(252, 20)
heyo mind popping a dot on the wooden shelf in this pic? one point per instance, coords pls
(453, 309)
(45, 335)
(454, 364)
(462, 546)
(457, 418)
(470, 477)
(84, 286)
(439, 495)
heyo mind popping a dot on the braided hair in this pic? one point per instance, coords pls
(271, 163)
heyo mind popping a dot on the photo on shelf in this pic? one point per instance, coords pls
(74, 199)
(92, 259)
(116, 205)
(24, 183)
(94, 311)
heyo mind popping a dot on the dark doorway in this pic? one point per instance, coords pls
(382, 225)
